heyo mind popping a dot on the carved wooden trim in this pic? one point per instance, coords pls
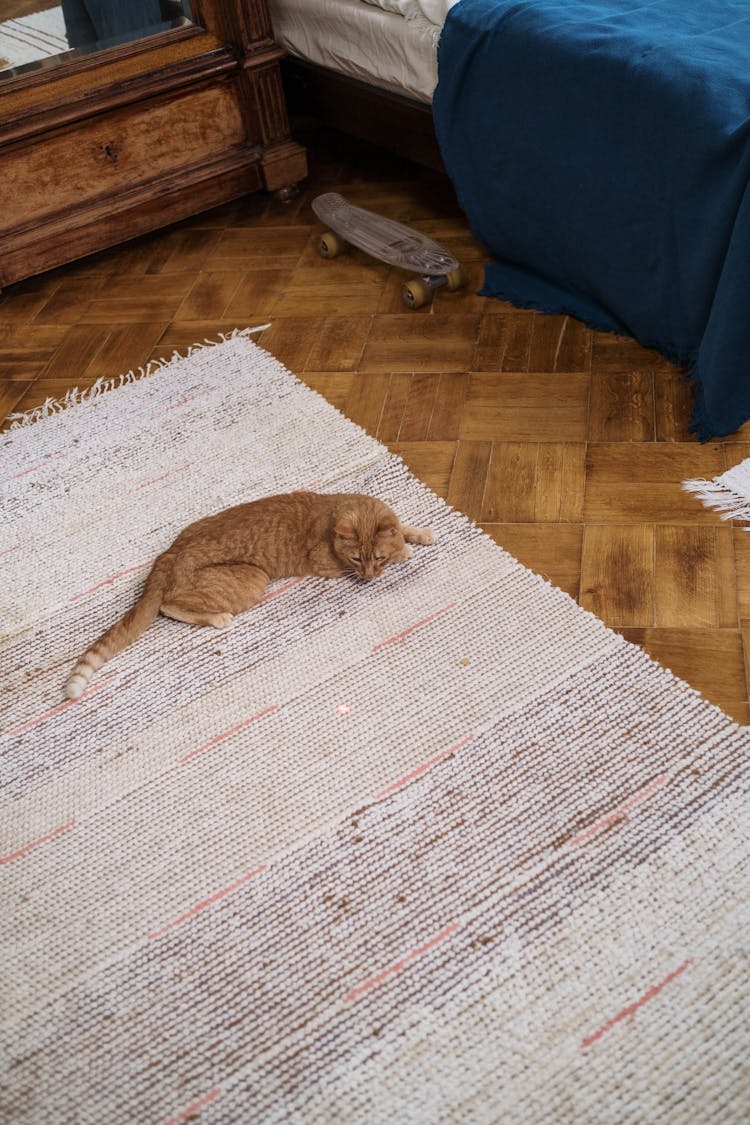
(247, 26)
(70, 62)
(267, 92)
(171, 75)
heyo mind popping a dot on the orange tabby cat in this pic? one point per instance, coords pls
(221, 565)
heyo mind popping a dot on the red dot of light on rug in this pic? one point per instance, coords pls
(343, 709)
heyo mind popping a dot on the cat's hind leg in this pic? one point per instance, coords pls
(421, 535)
(215, 594)
(178, 611)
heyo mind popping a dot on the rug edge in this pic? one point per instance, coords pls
(75, 396)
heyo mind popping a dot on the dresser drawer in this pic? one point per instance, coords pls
(117, 152)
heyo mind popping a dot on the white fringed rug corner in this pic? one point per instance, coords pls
(439, 847)
(728, 493)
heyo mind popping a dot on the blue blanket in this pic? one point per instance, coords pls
(601, 151)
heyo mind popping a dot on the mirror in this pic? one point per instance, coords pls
(36, 34)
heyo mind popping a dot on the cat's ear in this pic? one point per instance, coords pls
(388, 529)
(345, 528)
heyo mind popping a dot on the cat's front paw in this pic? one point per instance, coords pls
(221, 620)
(421, 535)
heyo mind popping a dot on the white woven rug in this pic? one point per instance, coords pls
(728, 493)
(436, 848)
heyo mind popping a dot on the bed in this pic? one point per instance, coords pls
(600, 150)
(364, 69)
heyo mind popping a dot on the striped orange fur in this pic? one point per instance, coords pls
(221, 565)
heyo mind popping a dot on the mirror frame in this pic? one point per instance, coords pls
(98, 149)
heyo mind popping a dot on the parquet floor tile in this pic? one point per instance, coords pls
(126, 348)
(568, 446)
(468, 478)
(367, 399)
(281, 245)
(641, 482)
(617, 573)
(337, 342)
(422, 342)
(554, 551)
(738, 449)
(673, 406)
(335, 386)
(694, 570)
(621, 407)
(209, 296)
(256, 294)
(395, 392)
(526, 406)
(12, 395)
(447, 409)
(431, 461)
(24, 354)
(741, 543)
(559, 343)
(25, 300)
(66, 303)
(535, 482)
(504, 341)
(711, 660)
(75, 351)
(189, 252)
(618, 355)
(660, 575)
(304, 297)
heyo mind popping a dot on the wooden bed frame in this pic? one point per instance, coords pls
(400, 124)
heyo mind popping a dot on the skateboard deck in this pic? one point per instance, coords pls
(392, 243)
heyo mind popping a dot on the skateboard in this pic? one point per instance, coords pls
(390, 242)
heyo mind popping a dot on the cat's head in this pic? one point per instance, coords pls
(368, 537)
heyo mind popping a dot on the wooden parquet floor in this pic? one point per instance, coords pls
(567, 445)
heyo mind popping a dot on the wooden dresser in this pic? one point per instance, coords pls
(96, 149)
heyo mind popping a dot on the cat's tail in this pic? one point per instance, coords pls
(124, 631)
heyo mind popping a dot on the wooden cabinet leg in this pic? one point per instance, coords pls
(284, 162)
(282, 195)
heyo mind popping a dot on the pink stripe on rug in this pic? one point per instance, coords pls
(206, 902)
(61, 707)
(227, 734)
(402, 963)
(110, 581)
(418, 625)
(631, 1009)
(619, 813)
(36, 843)
(193, 1110)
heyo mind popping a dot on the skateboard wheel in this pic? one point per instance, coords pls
(330, 245)
(416, 293)
(456, 279)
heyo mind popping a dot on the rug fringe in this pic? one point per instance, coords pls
(76, 395)
(730, 505)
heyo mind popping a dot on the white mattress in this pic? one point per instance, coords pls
(362, 41)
